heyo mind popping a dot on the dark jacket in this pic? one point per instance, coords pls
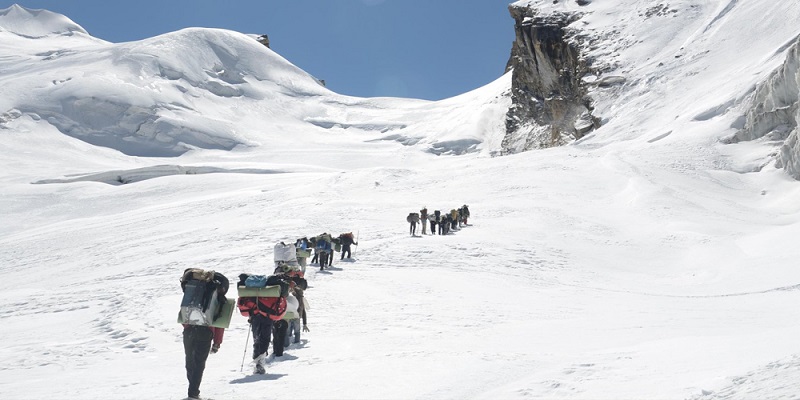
(347, 240)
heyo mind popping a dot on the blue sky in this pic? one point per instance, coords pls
(427, 49)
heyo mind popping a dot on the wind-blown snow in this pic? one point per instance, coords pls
(647, 260)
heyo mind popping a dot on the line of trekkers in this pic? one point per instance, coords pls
(446, 222)
(324, 247)
(275, 305)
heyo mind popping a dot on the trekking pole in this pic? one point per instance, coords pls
(354, 250)
(250, 329)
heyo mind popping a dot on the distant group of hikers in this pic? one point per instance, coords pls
(275, 305)
(324, 247)
(446, 222)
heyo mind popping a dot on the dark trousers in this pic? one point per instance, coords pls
(433, 228)
(323, 259)
(262, 329)
(413, 229)
(196, 345)
(279, 329)
(345, 249)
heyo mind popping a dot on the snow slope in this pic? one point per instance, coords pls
(646, 260)
(29, 23)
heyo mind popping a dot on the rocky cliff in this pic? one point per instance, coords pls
(550, 106)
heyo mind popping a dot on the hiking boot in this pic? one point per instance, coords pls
(259, 369)
(258, 362)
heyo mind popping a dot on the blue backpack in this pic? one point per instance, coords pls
(256, 281)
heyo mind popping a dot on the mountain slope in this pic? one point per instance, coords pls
(196, 88)
(646, 260)
(658, 70)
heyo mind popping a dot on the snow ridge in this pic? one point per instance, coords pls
(34, 23)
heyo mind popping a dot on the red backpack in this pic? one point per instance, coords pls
(271, 304)
(272, 307)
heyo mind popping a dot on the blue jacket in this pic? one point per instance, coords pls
(323, 245)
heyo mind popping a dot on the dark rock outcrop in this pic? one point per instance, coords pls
(550, 106)
(264, 39)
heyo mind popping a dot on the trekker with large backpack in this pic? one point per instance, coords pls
(303, 252)
(413, 219)
(324, 249)
(441, 219)
(203, 303)
(294, 323)
(285, 254)
(281, 327)
(263, 300)
(347, 240)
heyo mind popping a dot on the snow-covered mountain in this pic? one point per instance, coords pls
(36, 24)
(195, 88)
(651, 258)
(629, 56)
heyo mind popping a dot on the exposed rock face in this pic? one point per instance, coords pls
(549, 102)
(264, 39)
(776, 112)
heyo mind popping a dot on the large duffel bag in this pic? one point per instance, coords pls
(292, 305)
(223, 319)
(272, 307)
(269, 301)
(203, 296)
(285, 253)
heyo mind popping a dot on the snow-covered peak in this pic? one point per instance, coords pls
(202, 88)
(33, 23)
